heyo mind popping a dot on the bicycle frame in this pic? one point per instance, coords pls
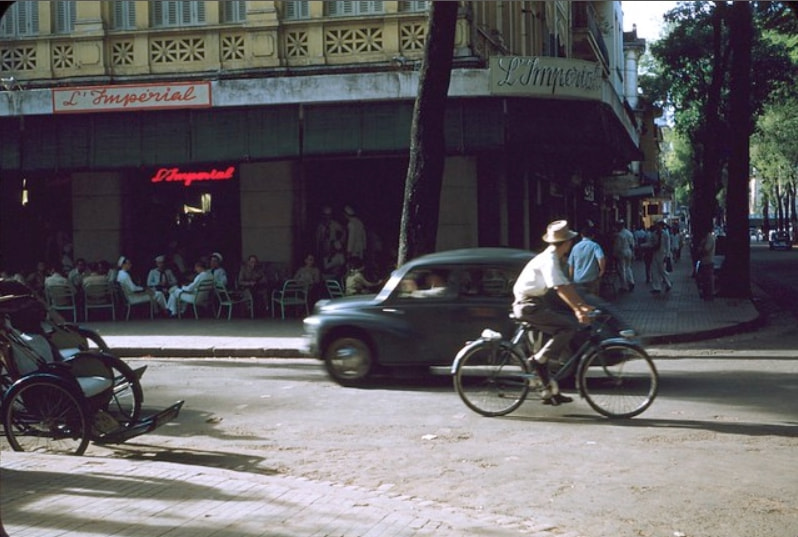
(525, 335)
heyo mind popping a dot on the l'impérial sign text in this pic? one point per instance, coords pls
(545, 76)
(132, 97)
(174, 175)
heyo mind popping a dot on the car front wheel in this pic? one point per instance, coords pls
(348, 360)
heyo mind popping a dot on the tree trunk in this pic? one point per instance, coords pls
(707, 176)
(736, 275)
(419, 225)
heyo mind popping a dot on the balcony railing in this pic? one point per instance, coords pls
(199, 50)
(588, 40)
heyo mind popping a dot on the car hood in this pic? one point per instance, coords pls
(343, 304)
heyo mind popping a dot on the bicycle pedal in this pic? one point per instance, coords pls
(557, 399)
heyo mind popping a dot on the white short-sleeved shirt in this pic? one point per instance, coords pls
(543, 272)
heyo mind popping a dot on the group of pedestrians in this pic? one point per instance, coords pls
(658, 247)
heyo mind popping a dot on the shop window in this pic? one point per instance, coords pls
(64, 16)
(21, 20)
(123, 15)
(345, 9)
(164, 14)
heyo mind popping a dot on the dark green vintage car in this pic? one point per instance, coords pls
(423, 315)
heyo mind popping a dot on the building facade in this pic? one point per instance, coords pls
(128, 127)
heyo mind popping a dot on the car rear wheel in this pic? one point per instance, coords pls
(348, 360)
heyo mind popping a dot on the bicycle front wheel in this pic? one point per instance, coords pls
(619, 381)
(492, 379)
(43, 415)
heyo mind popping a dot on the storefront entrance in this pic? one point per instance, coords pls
(191, 209)
(372, 187)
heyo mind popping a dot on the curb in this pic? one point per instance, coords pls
(160, 352)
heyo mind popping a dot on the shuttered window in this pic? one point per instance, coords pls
(64, 16)
(413, 7)
(21, 20)
(296, 10)
(165, 14)
(124, 15)
(345, 9)
(231, 12)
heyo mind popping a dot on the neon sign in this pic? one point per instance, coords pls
(175, 175)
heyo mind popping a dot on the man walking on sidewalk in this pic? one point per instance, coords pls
(623, 247)
(662, 249)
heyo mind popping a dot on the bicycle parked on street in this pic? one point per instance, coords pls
(612, 372)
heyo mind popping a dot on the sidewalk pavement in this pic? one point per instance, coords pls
(48, 496)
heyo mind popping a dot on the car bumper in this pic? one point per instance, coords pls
(310, 337)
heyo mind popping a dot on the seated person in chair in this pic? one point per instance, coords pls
(161, 278)
(252, 280)
(135, 293)
(187, 293)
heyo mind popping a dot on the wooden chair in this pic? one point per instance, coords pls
(99, 296)
(199, 298)
(292, 294)
(334, 288)
(62, 298)
(228, 299)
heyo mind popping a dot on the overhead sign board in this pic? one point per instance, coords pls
(545, 76)
(133, 97)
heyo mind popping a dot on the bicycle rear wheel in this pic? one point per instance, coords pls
(44, 415)
(619, 381)
(492, 379)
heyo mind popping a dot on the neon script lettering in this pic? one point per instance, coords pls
(174, 175)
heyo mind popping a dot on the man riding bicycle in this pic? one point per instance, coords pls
(536, 304)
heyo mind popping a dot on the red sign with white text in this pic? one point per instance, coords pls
(131, 97)
(176, 175)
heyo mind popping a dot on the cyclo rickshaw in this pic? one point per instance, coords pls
(60, 384)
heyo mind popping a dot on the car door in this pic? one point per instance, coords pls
(426, 302)
(486, 297)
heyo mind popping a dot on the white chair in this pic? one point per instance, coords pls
(62, 298)
(334, 288)
(229, 300)
(292, 294)
(142, 300)
(98, 295)
(200, 297)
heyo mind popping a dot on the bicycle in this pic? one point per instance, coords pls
(613, 373)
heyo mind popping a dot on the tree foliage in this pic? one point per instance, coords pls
(717, 68)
